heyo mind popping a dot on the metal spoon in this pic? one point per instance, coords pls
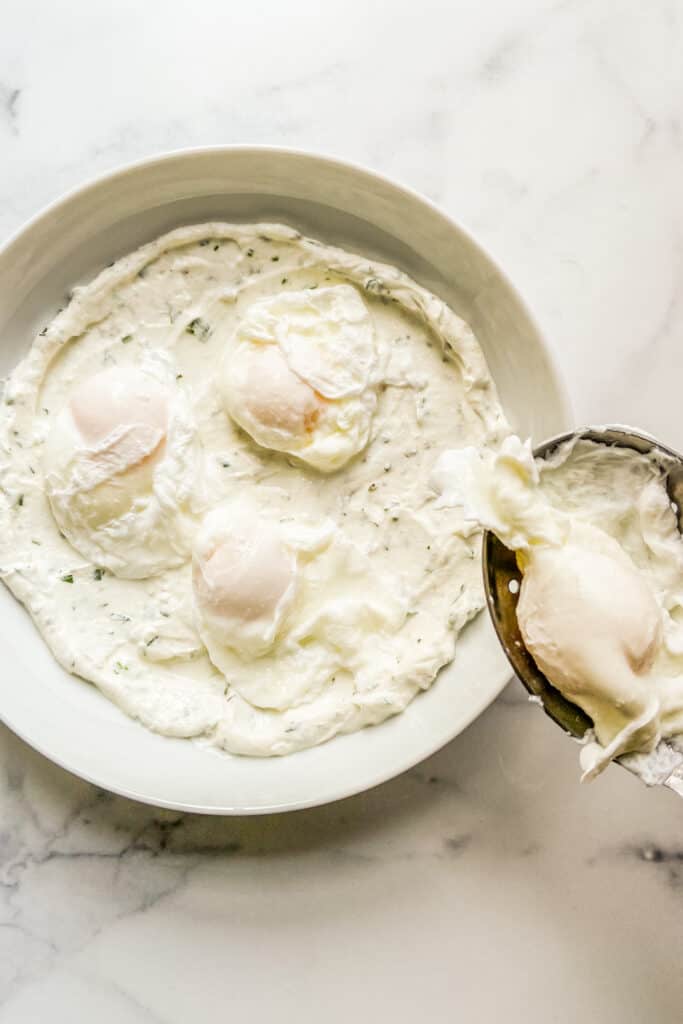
(502, 580)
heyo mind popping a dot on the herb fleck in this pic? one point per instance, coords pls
(199, 328)
(250, 253)
(283, 281)
(205, 241)
(126, 338)
(68, 578)
(120, 667)
(275, 258)
(97, 573)
(20, 501)
(9, 401)
(151, 641)
(43, 332)
(374, 286)
(216, 247)
(372, 487)
(178, 376)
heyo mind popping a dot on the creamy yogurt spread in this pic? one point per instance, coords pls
(601, 602)
(214, 486)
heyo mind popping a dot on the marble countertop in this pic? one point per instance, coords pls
(485, 884)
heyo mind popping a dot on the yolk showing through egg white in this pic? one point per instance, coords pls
(122, 420)
(284, 608)
(244, 582)
(275, 398)
(300, 375)
(108, 464)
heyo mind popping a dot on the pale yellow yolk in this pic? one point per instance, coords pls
(276, 397)
(130, 410)
(593, 626)
(117, 398)
(245, 579)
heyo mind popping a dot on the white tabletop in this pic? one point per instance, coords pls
(485, 885)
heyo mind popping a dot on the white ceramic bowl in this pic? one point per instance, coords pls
(67, 719)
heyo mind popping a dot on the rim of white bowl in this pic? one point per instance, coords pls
(123, 170)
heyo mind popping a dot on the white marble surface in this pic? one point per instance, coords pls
(485, 885)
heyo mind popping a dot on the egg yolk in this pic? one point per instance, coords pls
(121, 416)
(276, 398)
(245, 579)
(117, 398)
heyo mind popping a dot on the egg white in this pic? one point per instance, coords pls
(123, 498)
(300, 374)
(300, 604)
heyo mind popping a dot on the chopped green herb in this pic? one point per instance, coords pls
(9, 401)
(20, 500)
(68, 578)
(250, 253)
(374, 285)
(43, 332)
(126, 338)
(216, 247)
(178, 376)
(150, 642)
(372, 487)
(275, 258)
(205, 241)
(97, 573)
(37, 543)
(120, 667)
(199, 328)
(283, 281)
(226, 465)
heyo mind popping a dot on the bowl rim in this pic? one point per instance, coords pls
(128, 168)
(121, 171)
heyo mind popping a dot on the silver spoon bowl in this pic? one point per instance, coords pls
(502, 578)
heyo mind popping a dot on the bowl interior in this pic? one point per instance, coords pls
(67, 244)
